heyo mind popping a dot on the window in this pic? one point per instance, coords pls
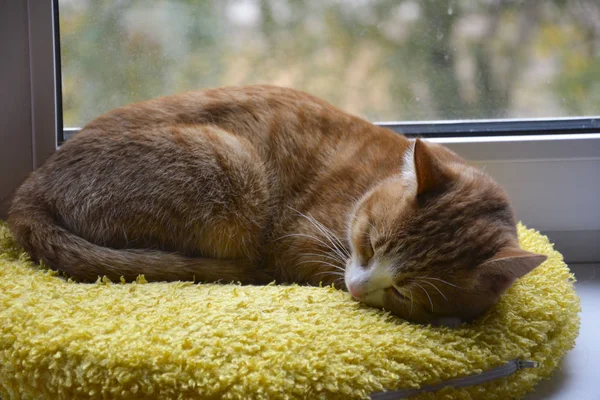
(512, 85)
(384, 60)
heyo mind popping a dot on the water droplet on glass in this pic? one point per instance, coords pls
(450, 10)
(440, 35)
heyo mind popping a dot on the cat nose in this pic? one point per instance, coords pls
(357, 291)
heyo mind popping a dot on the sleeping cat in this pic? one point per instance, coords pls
(261, 183)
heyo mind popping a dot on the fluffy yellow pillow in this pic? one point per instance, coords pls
(60, 339)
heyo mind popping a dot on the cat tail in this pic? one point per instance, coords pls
(37, 231)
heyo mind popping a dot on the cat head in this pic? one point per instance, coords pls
(437, 241)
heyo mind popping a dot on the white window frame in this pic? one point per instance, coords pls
(553, 180)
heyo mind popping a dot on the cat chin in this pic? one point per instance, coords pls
(374, 298)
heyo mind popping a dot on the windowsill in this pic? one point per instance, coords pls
(577, 377)
(515, 138)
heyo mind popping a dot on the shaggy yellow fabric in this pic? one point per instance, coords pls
(63, 340)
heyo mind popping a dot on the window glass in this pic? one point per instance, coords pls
(384, 60)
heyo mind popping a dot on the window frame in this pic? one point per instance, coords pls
(538, 147)
(29, 119)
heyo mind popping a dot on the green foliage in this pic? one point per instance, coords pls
(385, 60)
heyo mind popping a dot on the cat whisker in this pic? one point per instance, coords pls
(320, 257)
(436, 288)
(330, 273)
(426, 293)
(321, 262)
(313, 238)
(441, 280)
(326, 232)
(326, 255)
(331, 237)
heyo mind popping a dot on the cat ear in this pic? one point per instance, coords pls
(508, 265)
(428, 170)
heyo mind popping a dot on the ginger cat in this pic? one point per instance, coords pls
(262, 183)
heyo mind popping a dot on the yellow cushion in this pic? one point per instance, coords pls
(60, 339)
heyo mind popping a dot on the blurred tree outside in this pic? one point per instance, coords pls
(385, 60)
